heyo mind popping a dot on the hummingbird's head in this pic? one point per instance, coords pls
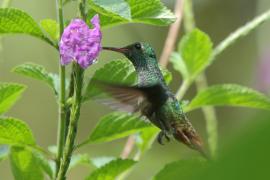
(186, 134)
(136, 52)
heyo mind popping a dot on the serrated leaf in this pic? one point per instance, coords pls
(24, 165)
(35, 71)
(116, 125)
(15, 132)
(137, 11)
(195, 49)
(51, 27)
(9, 94)
(111, 170)
(116, 7)
(16, 21)
(119, 72)
(146, 137)
(182, 169)
(229, 95)
(4, 151)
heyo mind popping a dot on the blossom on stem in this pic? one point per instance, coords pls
(79, 43)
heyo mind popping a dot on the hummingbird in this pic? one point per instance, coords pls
(152, 97)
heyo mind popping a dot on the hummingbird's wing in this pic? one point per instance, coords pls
(126, 98)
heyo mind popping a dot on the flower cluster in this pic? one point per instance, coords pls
(80, 43)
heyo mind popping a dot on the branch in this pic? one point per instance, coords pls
(172, 34)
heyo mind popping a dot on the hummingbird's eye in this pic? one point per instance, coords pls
(138, 46)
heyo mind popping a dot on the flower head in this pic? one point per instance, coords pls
(80, 43)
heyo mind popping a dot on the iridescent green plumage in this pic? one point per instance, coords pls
(156, 101)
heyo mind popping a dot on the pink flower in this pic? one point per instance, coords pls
(80, 43)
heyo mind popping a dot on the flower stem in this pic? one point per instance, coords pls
(74, 117)
(201, 83)
(76, 87)
(62, 101)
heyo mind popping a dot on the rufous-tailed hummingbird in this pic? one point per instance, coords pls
(152, 97)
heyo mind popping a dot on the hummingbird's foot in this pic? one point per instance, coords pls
(161, 135)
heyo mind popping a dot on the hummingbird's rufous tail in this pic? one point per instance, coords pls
(186, 134)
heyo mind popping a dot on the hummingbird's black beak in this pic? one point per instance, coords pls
(120, 50)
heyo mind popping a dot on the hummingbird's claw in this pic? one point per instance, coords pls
(160, 137)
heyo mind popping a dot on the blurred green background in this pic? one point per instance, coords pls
(239, 64)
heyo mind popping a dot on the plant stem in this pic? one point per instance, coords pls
(74, 113)
(241, 32)
(182, 89)
(72, 128)
(201, 83)
(172, 34)
(62, 96)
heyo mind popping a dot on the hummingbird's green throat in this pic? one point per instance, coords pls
(152, 97)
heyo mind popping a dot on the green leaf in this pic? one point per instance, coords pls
(35, 71)
(24, 165)
(179, 64)
(9, 94)
(195, 49)
(44, 164)
(146, 137)
(15, 132)
(4, 151)
(111, 170)
(111, 7)
(118, 71)
(17, 21)
(166, 74)
(182, 169)
(229, 95)
(51, 27)
(116, 125)
(114, 12)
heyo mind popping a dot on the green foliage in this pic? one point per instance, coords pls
(43, 163)
(24, 165)
(116, 125)
(51, 27)
(15, 132)
(9, 94)
(137, 11)
(111, 170)
(37, 72)
(229, 95)
(245, 157)
(17, 21)
(145, 138)
(194, 51)
(182, 169)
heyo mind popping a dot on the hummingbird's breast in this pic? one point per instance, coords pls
(170, 113)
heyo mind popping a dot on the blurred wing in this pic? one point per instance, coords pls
(120, 97)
